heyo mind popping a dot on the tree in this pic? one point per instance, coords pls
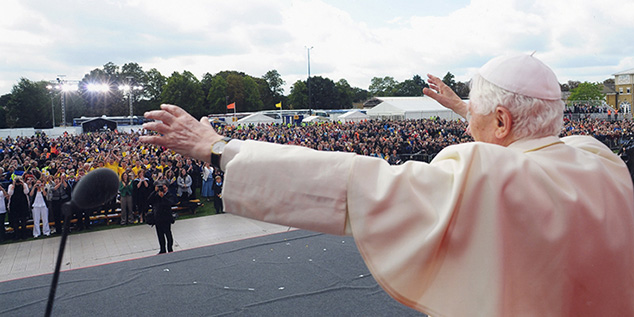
(217, 95)
(235, 90)
(205, 85)
(420, 82)
(4, 104)
(462, 90)
(152, 89)
(407, 88)
(29, 105)
(323, 93)
(298, 98)
(269, 99)
(586, 91)
(275, 82)
(252, 100)
(100, 103)
(110, 68)
(382, 86)
(184, 90)
(360, 95)
(344, 94)
(449, 81)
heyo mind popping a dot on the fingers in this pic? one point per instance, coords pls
(152, 139)
(205, 121)
(156, 127)
(168, 114)
(176, 111)
(160, 115)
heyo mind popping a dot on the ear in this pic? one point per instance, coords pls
(504, 123)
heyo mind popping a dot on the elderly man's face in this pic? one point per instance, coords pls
(481, 127)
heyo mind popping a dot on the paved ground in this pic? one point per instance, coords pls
(29, 258)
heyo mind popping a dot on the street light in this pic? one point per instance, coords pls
(310, 108)
(50, 89)
(63, 86)
(129, 88)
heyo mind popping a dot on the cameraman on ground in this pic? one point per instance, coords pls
(161, 201)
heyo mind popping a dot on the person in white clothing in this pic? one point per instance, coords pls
(518, 223)
(3, 211)
(39, 209)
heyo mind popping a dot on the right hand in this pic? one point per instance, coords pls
(181, 132)
(445, 96)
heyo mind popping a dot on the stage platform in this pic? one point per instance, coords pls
(223, 265)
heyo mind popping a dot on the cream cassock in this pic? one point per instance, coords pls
(542, 227)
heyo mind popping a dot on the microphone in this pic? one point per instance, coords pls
(93, 190)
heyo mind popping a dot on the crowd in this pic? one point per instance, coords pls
(38, 173)
(587, 108)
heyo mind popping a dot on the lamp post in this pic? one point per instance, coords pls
(50, 90)
(310, 108)
(129, 88)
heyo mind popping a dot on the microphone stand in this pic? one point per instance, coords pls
(67, 211)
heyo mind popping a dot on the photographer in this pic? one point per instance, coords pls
(40, 211)
(18, 207)
(161, 201)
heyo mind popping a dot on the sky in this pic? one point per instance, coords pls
(583, 40)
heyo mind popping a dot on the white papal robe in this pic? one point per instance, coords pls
(543, 227)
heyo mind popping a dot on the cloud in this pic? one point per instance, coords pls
(355, 40)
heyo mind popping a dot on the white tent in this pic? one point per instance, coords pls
(353, 116)
(255, 119)
(400, 108)
(315, 119)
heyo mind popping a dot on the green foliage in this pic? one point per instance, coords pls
(152, 89)
(185, 91)
(29, 105)
(235, 90)
(275, 82)
(298, 98)
(388, 87)
(345, 94)
(382, 86)
(217, 95)
(587, 91)
(252, 100)
(449, 81)
(4, 105)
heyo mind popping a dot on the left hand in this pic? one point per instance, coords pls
(181, 132)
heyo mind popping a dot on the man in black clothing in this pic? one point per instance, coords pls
(161, 201)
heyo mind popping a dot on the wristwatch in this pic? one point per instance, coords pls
(216, 151)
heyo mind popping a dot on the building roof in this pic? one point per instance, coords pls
(625, 72)
(405, 104)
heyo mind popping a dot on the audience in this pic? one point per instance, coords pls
(58, 163)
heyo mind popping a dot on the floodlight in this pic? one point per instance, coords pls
(67, 87)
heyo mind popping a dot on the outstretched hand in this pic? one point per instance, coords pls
(445, 96)
(181, 132)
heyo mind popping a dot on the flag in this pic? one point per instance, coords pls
(278, 105)
(231, 106)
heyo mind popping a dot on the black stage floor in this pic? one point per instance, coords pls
(298, 273)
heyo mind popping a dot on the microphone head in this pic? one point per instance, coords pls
(95, 189)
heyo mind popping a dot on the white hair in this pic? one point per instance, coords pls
(532, 117)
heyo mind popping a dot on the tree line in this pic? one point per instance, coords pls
(35, 104)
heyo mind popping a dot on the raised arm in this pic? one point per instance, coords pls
(445, 96)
